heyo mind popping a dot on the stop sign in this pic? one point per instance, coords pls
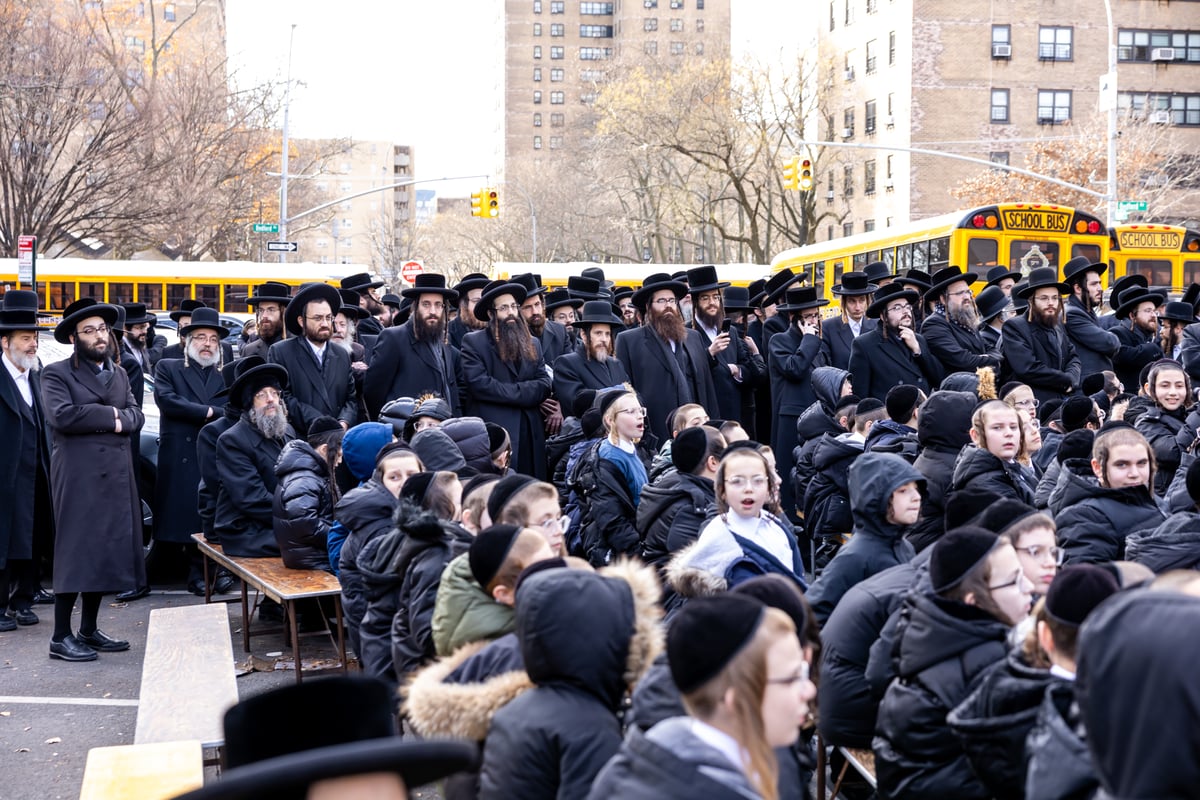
(409, 270)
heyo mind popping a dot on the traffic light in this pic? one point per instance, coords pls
(789, 174)
(477, 207)
(806, 178)
(492, 205)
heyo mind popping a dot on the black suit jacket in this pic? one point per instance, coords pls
(573, 373)
(878, 364)
(400, 366)
(839, 339)
(25, 471)
(312, 391)
(554, 341)
(658, 378)
(959, 349)
(1042, 358)
(732, 395)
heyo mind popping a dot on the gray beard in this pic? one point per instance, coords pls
(345, 344)
(966, 316)
(271, 426)
(27, 363)
(205, 361)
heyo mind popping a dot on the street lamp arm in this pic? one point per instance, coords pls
(365, 192)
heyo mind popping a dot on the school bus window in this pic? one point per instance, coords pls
(120, 293)
(1157, 272)
(939, 252)
(62, 294)
(889, 257)
(838, 268)
(920, 255)
(235, 297)
(150, 294)
(1089, 251)
(177, 293)
(873, 256)
(860, 261)
(1191, 272)
(818, 277)
(982, 252)
(1025, 255)
(903, 257)
(95, 290)
(209, 294)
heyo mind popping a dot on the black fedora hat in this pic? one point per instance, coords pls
(430, 283)
(557, 298)
(1043, 278)
(1123, 283)
(270, 292)
(757, 290)
(1191, 294)
(999, 273)
(19, 311)
(1178, 311)
(944, 277)
(597, 274)
(80, 310)
(308, 293)
(207, 318)
(990, 302)
(737, 298)
(392, 300)
(483, 309)
(704, 279)
(621, 292)
(136, 314)
(186, 307)
(918, 279)
(878, 271)
(777, 284)
(1079, 266)
(658, 282)
(350, 306)
(802, 297)
(247, 383)
(1133, 297)
(854, 284)
(583, 287)
(1020, 302)
(889, 294)
(531, 282)
(472, 280)
(359, 282)
(597, 312)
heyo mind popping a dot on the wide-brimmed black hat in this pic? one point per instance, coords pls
(248, 383)
(557, 298)
(207, 318)
(1020, 303)
(800, 298)
(1191, 294)
(1043, 278)
(990, 302)
(737, 298)
(757, 290)
(1133, 297)
(919, 279)
(136, 314)
(854, 284)
(360, 282)
(704, 279)
(80, 310)
(430, 283)
(658, 282)
(186, 307)
(1079, 266)
(393, 300)
(474, 280)
(1178, 311)
(997, 274)
(777, 284)
(622, 292)
(597, 274)
(1123, 283)
(583, 288)
(889, 294)
(350, 306)
(877, 271)
(944, 277)
(597, 312)
(270, 292)
(483, 309)
(309, 293)
(531, 282)
(19, 311)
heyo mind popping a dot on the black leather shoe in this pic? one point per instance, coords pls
(44, 597)
(71, 649)
(196, 588)
(133, 594)
(24, 616)
(225, 584)
(7, 623)
(101, 641)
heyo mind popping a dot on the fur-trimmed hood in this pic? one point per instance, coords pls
(692, 572)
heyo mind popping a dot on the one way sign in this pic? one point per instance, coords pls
(282, 247)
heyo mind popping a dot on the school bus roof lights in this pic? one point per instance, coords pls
(988, 221)
(1088, 226)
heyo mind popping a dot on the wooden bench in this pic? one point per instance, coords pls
(187, 676)
(146, 771)
(285, 586)
(862, 761)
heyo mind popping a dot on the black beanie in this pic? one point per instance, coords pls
(1075, 412)
(488, 551)
(1003, 514)
(1076, 444)
(503, 491)
(966, 504)
(416, 486)
(957, 554)
(688, 449)
(1092, 383)
(776, 591)
(844, 403)
(902, 401)
(1076, 590)
(323, 425)
(706, 634)
(1193, 481)
(867, 405)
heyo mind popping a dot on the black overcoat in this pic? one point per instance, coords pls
(659, 379)
(958, 349)
(554, 341)
(839, 339)
(1042, 358)
(575, 372)
(246, 459)
(403, 367)
(732, 395)
(25, 473)
(314, 391)
(878, 365)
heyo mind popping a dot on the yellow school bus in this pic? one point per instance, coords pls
(1021, 236)
(1168, 255)
(555, 274)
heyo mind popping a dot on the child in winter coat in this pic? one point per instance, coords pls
(998, 435)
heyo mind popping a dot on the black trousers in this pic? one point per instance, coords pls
(18, 585)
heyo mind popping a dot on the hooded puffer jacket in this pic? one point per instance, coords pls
(1175, 544)
(1093, 521)
(367, 513)
(826, 498)
(471, 437)
(876, 544)
(1163, 430)
(361, 445)
(942, 650)
(889, 436)
(438, 452)
(1059, 765)
(993, 722)
(817, 419)
(979, 469)
(671, 514)
(464, 612)
(943, 430)
(303, 506)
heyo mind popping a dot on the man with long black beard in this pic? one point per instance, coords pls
(1035, 346)
(550, 336)
(268, 301)
(952, 330)
(414, 359)
(246, 457)
(368, 299)
(506, 377)
(138, 325)
(469, 290)
(892, 352)
(1095, 346)
(667, 364)
(595, 367)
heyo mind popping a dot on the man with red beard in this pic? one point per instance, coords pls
(667, 363)
(1036, 346)
(892, 352)
(469, 289)
(595, 368)
(506, 378)
(952, 330)
(414, 359)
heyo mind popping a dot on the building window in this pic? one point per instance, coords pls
(588, 98)
(699, 48)
(537, 98)
(537, 143)
(699, 5)
(595, 9)
(1001, 34)
(558, 29)
(1158, 46)
(1054, 44)
(848, 181)
(650, 24)
(891, 48)
(537, 73)
(537, 120)
(1161, 109)
(651, 48)
(676, 26)
(869, 117)
(848, 123)
(847, 229)
(556, 53)
(832, 16)
(556, 6)
(999, 158)
(869, 177)
(556, 74)
(849, 12)
(169, 12)
(591, 75)
(999, 105)
(556, 98)
(537, 29)
(871, 57)
(676, 48)
(700, 26)
(676, 4)
(594, 53)
(872, 6)
(1053, 107)
(555, 142)
(888, 167)
(650, 3)
(537, 51)
(868, 225)
(557, 120)
(537, 6)
(596, 31)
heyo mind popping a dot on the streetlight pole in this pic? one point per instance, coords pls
(283, 180)
(532, 215)
(1112, 118)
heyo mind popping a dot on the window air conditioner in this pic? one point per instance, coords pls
(1002, 51)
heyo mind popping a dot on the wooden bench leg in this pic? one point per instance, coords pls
(289, 608)
(337, 605)
(245, 618)
(820, 767)
(207, 583)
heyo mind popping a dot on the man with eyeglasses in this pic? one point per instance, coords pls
(321, 379)
(268, 301)
(182, 317)
(667, 363)
(97, 511)
(893, 353)
(952, 330)
(1035, 346)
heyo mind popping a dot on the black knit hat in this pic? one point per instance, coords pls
(323, 424)
(845, 402)
(1193, 481)
(867, 405)
(1075, 412)
(688, 449)
(707, 634)
(965, 505)
(1092, 383)
(1076, 444)
(776, 591)
(1076, 590)
(1002, 515)
(901, 401)
(489, 550)
(505, 488)
(416, 486)
(957, 554)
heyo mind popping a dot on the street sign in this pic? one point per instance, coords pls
(1133, 205)
(282, 247)
(26, 258)
(409, 270)
(266, 227)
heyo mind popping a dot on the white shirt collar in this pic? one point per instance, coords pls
(855, 327)
(720, 741)
(318, 350)
(21, 378)
(1061, 672)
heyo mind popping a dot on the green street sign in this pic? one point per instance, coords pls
(266, 227)
(1132, 205)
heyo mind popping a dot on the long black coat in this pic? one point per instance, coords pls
(403, 367)
(554, 341)
(1042, 358)
(878, 365)
(210, 476)
(958, 349)
(184, 395)
(510, 395)
(245, 521)
(574, 372)
(658, 378)
(839, 339)
(1138, 348)
(97, 513)
(791, 358)
(25, 473)
(733, 395)
(1094, 345)
(314, 391)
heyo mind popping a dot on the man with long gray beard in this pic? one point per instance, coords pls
(594, 368)
(246, 457)
(667, 363)
(892, 352)
(185, 391)
(952, 330)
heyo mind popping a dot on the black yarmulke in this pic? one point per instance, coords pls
(416, 486)
(497, 438)
(688, 449)
(776, 591)
(706, 635)
(477, 482)
(1076, 444)
(966, 504)
(1075, 412)
(845, 402)
(900, 402)
(505, 488)
(323, 425)
(1076, 590)
(607, 398)
(489, 550)
(1047, 410)
(1002, 515)
(867, 405)
(1092, 383)
(956, 554)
